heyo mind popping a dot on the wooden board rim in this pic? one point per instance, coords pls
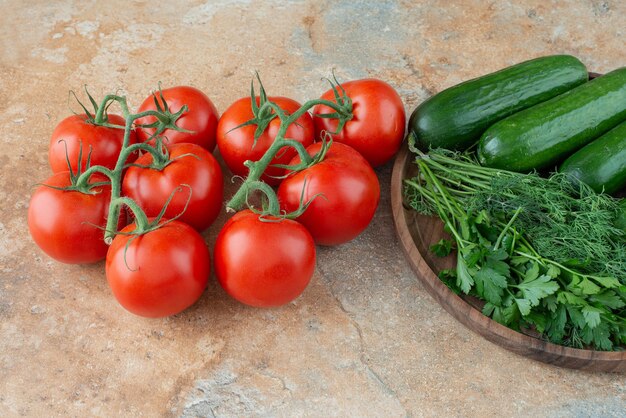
(472, 318)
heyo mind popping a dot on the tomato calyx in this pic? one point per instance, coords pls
(308, 161)
(264, 112)
(160, 155)
(99, 116)
(143, 224)
(165, 119)
(79, 182)
(270, 207)
(344, 112)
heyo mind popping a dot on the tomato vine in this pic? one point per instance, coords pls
(264, 113)
(165, 120)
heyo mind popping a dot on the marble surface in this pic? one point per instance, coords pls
(365, 339)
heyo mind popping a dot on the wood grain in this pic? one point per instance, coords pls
(417, 232)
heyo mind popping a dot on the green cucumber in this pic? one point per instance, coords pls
(456, 117)
(602, 163)
(549, 132)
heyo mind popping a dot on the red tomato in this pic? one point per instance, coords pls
(105, 143)
(151, 188)
(377, 127)
(350, 192)
(62, 222)
(236, 145)
(262, 263)
(160, 273)
(201, 118)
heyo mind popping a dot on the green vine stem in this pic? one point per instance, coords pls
(165, 120)
(141, 220)
(257, 168)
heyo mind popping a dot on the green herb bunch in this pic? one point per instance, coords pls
(545, 255)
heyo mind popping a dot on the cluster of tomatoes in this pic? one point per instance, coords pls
(148, 182)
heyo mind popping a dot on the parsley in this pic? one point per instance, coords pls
(442, 248)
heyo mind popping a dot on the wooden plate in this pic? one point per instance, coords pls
(417, 232)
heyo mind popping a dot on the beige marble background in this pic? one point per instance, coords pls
(365, 339)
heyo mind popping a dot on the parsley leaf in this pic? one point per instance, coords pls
(448, 277)
(556, 324)
(523, 305)
(442, 248)
(592, 315)
(582, 285)
(601, 338)
(463, 277)
(576, 316)
(490, 284)
(609, 299)
(534, 288)
(609, 282)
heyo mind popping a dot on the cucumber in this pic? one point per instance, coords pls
(456, 117)
(547, 133)
(602, 163)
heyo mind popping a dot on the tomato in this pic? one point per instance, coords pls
(105, 143)
(64, 223)
(236, 146)
(192, 165)
(200, 118)
(263, 263)
(350, 194)
(377, 127)
(159, 273)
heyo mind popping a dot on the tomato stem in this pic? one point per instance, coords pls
(100, 117)
(83, 180)
(273, 206)
(141, 220)
(116, 178)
